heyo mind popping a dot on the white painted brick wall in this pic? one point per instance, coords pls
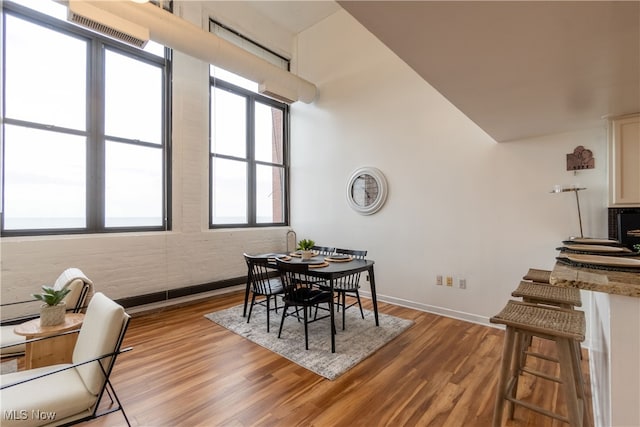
(130, 264)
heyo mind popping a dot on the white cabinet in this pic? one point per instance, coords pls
(624, 161)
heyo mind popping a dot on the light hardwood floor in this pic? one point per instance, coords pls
(185, 370)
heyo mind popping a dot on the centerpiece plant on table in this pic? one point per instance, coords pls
(54, 308)
(306, 248)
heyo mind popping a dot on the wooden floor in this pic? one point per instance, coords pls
(185, 370)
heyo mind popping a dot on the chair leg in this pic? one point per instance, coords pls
(306, 333)
(268, 321)
(253, 301)
(344, 308)
(359, 303)
(284, 313)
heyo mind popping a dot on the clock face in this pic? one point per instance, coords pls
(364, 190)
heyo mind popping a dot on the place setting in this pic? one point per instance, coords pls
(602, 254)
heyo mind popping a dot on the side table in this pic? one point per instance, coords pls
(49, 351)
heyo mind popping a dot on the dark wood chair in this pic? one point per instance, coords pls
(347, 286)
(264, 282)
(299, 294)
(324, 250)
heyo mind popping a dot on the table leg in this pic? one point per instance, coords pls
(374, 298)
(331, 316)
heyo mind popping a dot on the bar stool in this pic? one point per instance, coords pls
(539, 293)
(564, 328)
(537, 275)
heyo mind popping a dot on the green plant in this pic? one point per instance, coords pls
(636, 247)
(306, 244)
(51, 296)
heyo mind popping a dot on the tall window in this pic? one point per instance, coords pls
(85, 125)
(248, 159)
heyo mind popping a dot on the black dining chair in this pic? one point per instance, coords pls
(347, 286)
(324, 250)
(264, 282)
(302, 297)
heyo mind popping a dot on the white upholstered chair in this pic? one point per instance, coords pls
(71, 391)
(81, 291)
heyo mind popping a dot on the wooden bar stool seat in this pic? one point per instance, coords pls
(561, 326)
(538, 293)
(537, 275)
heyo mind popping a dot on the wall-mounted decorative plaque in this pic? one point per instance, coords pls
(581, 158)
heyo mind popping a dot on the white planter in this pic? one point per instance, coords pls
(52, 315)
(307, 254)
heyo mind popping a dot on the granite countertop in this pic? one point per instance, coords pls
(611, 282)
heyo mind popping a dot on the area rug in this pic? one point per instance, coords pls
(359, 340)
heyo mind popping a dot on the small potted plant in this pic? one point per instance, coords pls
(305, 247)
(54, 308)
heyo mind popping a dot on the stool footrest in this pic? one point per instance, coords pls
(541, 375)
(539, 409)
(541, 356)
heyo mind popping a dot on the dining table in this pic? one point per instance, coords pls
(321, 267)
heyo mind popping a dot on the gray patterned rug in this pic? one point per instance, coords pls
(359, 340)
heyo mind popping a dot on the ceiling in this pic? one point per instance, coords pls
(295, 16)
(518, 69)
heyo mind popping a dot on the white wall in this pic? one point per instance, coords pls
(459, 203)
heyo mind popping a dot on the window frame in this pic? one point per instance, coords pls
(97, 45)
(250, 160)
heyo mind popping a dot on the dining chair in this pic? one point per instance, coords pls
(302, 297)
(347, 286)
(324, 250)
(264, 282)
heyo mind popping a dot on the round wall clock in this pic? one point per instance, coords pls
(366, 190)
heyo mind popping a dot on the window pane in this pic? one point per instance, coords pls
(45, 179)
(154, 48)
(228, 123)
(229, 188)
(269, 194)
(228, 76)
(133, 193)
(268, 133)
(133, 99)
(45, 75)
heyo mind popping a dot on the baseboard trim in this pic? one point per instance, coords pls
(460, 315)
(172, 294)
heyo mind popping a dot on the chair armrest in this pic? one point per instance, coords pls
(67, 367)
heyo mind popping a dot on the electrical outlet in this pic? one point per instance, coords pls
(439, 280)
(463, 283)
(449, 281)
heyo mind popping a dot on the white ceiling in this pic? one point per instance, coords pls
(516, 68)
(295, 16)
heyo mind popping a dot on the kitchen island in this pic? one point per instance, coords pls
(615, 337)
